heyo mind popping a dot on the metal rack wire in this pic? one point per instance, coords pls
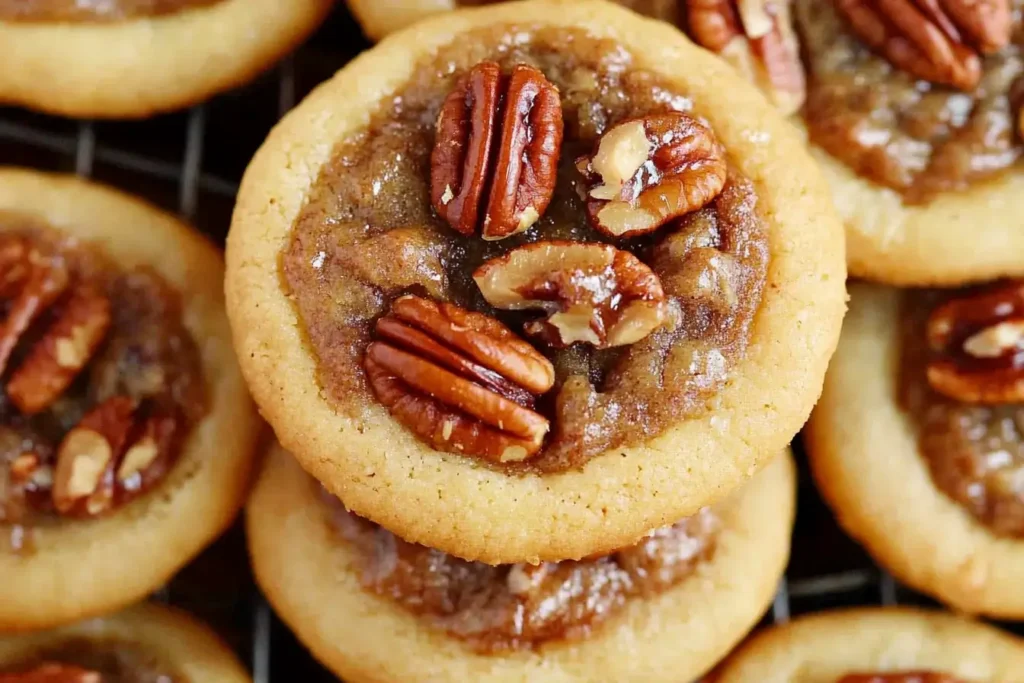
(195, 172)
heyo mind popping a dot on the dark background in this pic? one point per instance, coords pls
(190, 163)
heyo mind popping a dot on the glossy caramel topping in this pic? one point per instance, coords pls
(975, 451)
(512, 607)
(918, 138)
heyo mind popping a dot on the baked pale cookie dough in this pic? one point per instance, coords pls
(832, 647)
(144, 642)
(123, 59)
(311, 575)
(927, 179)
(779, 266)
(757, 38)
(89, 525)
(865, 452)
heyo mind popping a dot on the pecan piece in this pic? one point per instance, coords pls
(592, 293)
(756, 37)
(461, 381)
(935, 40)
(37, 280)
(53, 673)
(84, 478)
(114, 453)
(63, 351)
(498, 136)
(645, 172)
(978, 346)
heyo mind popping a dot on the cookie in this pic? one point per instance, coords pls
(126, 433)
(757, 38)
(144, 642)
(313, 561)
(536, 433)
(876, 645)
(136, 58)
(925, 179)
(925, 481)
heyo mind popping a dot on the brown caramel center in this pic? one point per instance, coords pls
(515, 607)
(918, 138)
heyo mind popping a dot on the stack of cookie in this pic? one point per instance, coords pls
(534, 297)
(918, 442)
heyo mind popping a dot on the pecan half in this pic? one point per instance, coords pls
(53, 673)
(461, 381)
(645, 172)
(756, 37)
(63, 351)
(592, 293)
(112, 454)
(83, 483)
(495, 156)
(935, 40)
(35, 279)
(978, 346)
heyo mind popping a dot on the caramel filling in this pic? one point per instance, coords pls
(918, 138)
(975, 451)
(521, 607)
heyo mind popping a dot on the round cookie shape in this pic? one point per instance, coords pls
(956, 237)
(308, 574)
(82, 567)
(450, 502)
(180, 641)
(864, 454)
(137, 67)
(826, 646)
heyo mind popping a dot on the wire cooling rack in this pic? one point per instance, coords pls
(191, 163)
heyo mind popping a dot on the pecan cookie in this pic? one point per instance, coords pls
(537, 302)
(877, 645)
(918, 440)
(147, 642)
(135, 58)
(126, 433)
(373, 607)
(914, 113)
(757, 38)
